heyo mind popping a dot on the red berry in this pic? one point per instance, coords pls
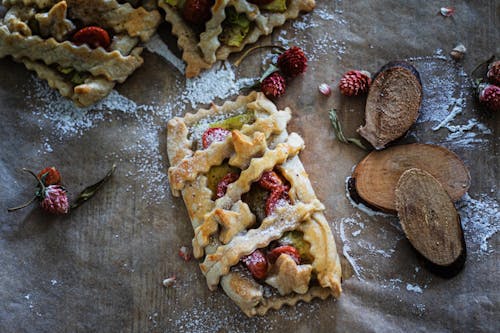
(197, 11)
(257, 264)
(274, 85)
(50, 176)
(270, 180)
(214, 134)
(225, 181)
(489, 95)
(292, 62)
(260, 2)
(278, 197)
(274, 254)
(92, 36)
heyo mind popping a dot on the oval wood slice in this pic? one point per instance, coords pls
(376, 176)
(392, 104)
(430, 221)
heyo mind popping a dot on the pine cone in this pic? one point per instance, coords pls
(292, 62)
(494, 73)
(274, 85)
(489, 95)
(55, 200)
(354, 83)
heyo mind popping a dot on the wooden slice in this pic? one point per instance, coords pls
(392, 104)
(376, 176)
(430, 221)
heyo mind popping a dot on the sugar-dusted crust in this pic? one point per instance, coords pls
(224, 229)
(201, 51)
(50, 48)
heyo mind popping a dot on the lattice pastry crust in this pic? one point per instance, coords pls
(201, 51)
(50, 49)
(225, 229)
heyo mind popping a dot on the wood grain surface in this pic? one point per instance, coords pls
(100, 268)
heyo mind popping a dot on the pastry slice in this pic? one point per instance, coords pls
(82, 48)
(210, 30)
(259, 229)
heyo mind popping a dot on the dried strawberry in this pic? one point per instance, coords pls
(55, 200)
(260, 2)
(286, 249)
(92, 36)
(278, 197)
(214, 134)
(197, 11)
(50, 176)
(225, 181)
(270, 180)
(257, 264)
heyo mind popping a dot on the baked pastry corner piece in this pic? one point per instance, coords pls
(82, 48)
(259, 229)
(210, 30)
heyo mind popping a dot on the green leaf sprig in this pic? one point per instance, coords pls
(91, 190)
(337, 128)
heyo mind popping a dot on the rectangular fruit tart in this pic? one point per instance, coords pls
(259, 228)
(82, 48)
(210, 30)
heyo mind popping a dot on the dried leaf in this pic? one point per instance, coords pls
(337, 128)
(89, 191)
(270, 70)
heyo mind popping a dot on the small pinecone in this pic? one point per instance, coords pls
(354, 83)
(292, 62)
(494, 73)
(489, 95)
(274, 85)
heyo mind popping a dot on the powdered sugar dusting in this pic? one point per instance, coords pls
(480, 220)
(447, 90)
(324, 43)
(212, 84)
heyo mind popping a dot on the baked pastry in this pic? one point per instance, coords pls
(82, 48)
(258, 226)
(210, 30)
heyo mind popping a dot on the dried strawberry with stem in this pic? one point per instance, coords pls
(92, 36)
(274, 254)
(50, 176)
(214, 134)
(257, 264)
(224, 183)
(197, 12)
(53, 198)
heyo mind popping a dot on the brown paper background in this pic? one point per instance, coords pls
(109, 257)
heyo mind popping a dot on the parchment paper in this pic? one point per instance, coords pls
(100, 269)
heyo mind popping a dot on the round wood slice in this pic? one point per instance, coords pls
(430, 221)
(392, 104)
(376, 176)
